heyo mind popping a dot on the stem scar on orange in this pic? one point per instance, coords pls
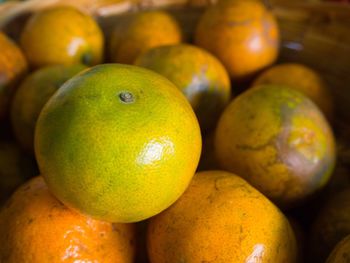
(119, 143)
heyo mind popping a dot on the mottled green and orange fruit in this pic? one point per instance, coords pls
(243, 34)
(117, 142)
(331, 225)
(197, 73)
(221, 218)
(36, 228)
(301, 78)
(13, 66)
(141, 32)
(279, 141)
(15, 168)
(62, 35)
(341, 252)
(31, 96)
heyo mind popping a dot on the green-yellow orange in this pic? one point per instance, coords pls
(119, 143)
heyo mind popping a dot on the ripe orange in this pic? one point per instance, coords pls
(13, 67)
(119, 143)
(142, 32)
(243, 34)
(279, 141)
(36, 228)
(31, 96)
(197, 73)
(62, 35)
(221, 218)
(301, 78)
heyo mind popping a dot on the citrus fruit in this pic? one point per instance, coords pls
(197, 73)
(301, 78)
(35, 227)
(31, 96)
(279, 141)
(13, 67)
(242, 34)
(341, 253)
(62, 35)
(15, 168)
(221, 218)
(117, 142)
(331, 225)
(141, 32)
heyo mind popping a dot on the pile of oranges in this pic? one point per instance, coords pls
(150, 149)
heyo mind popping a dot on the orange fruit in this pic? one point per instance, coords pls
(117, 142)
(13, 67)
(31, 96)
(142, 32)
(15, 168)
(331, 225)
(242, 34)
(341, 253)
(197, 73)
(62, 35)
(301, 78)
(221, 218)
(279, 141)
(36, 227)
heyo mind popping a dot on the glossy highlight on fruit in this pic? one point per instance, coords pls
(279, 141)
(119, 143)
(221, 218)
